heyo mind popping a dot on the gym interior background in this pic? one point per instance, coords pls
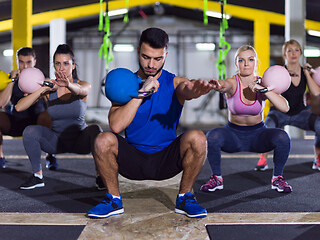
(185, 27)
(247, 208)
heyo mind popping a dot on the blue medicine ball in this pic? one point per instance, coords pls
(121, 85)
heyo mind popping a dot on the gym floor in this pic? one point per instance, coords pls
(58, 211)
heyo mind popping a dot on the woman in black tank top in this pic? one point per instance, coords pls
(298, 115)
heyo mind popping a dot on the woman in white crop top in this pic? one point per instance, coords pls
(245, 130)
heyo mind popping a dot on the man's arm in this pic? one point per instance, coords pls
(190, 89)
(120, 116)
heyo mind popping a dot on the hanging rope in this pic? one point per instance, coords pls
(126, 16)
(101, 16)
(205, 8)
(105, 50)
(224, 48)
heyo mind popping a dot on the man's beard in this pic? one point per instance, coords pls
(150, 74)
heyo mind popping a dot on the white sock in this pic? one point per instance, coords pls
(181, 194)
(116, 196)
(38, 175)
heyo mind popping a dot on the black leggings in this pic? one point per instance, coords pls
(233, 138)
(37, 138)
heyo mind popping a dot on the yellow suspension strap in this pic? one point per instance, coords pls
(224, 48)
(105, 50)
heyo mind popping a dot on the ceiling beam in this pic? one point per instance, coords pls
(260, 18)
(94, 9)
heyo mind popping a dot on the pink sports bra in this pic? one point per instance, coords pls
(237, 107)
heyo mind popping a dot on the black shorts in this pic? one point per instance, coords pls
(137, 165)
(19, 124)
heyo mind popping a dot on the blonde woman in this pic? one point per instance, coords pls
(245, 130)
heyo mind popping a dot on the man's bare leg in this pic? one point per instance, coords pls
(105, 156)
(193, 149)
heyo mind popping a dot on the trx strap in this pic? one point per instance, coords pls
(126, 16)
(224, 48)
(205, 15)
(105, 50)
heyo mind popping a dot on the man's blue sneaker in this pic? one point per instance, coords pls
(108, 207)
(187, 205)
(2, 162)
(51, 162)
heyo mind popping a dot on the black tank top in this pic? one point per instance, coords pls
(295, 95)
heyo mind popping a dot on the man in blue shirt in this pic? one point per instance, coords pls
(151, 150)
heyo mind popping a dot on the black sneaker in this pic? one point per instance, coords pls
(33, 182)
(51, 162)
(99, 184)
(2, 162)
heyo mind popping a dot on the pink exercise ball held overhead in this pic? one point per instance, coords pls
(276, 78)
(31, 79)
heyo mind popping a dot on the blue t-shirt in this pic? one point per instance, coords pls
(154, 125)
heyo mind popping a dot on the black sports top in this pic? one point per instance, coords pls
(295, 95)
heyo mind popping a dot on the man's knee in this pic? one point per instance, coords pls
(105, 141)
(196, 140)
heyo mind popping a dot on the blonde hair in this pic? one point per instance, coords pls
(246, 48)
(290, 42)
